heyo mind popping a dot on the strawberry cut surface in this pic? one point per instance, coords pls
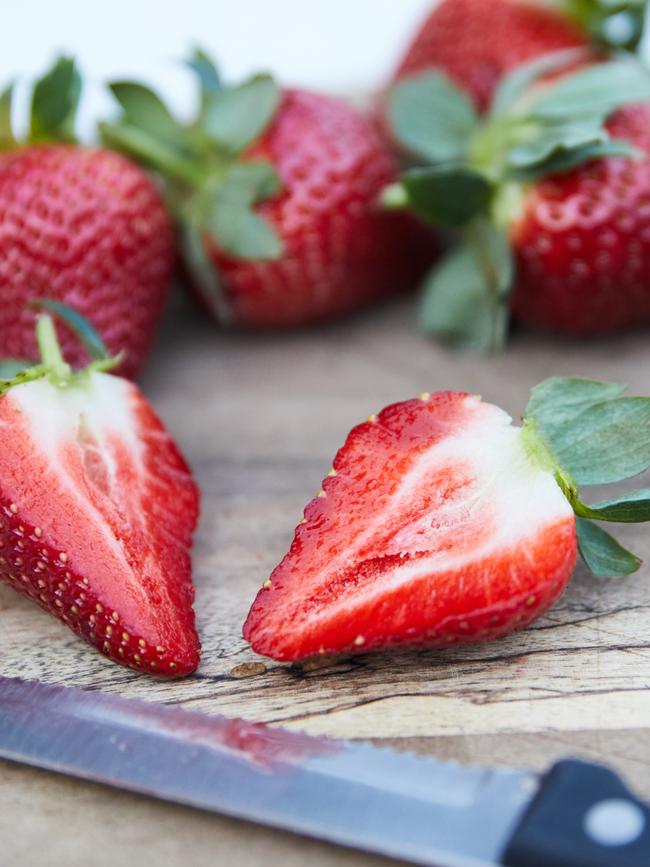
(97, 512)
(435, 526)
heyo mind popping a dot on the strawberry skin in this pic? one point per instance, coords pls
(475, 42)
(341, 251)
(97, 511)
(583, 242)
(434, 527)
(86, 227)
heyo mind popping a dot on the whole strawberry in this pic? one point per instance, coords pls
(97, 507)
(441, 522)
(84, 225)
(275, 193)
(475, 42)
(547, 193)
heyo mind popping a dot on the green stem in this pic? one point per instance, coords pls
(49, 348)
(141, 145)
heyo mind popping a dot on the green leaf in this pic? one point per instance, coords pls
(557, 402)
(563, 160)
(146, 148)
(11, 367)
(465, 297)
(614, 23)
(7, 139)
(54, 103)
(548, 139)
(29, 374)
(431, 117)
(630, 508)
(145, 110)
(205, 276)
(236, 116)
(207, 72)
(608, 442)
(598, 89)
(514, 85)
(604, 556)
(448, 197)
(238, 230)
(77, 323)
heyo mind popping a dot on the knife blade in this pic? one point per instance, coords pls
(376, 799)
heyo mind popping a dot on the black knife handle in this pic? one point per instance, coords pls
(582, 816)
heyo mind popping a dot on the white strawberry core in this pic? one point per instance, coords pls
(468, 497)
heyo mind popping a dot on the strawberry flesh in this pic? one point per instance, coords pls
(97, 511)
(434, 527)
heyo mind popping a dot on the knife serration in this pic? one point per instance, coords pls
(393, 803)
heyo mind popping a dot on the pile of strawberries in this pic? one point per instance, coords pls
(510, 173)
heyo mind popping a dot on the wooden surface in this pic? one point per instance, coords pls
(260, 419)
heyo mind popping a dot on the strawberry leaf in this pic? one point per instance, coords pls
(630, 508)
(231, 220)
(606, 443)
(205, 276)
(144, 109)
(208, 75)
(465, 297)
(448, 197)
(431, 117)
(78, 324)
(596, 90)
(54, 103)
(514, 85)
(556, 403)
(614, 23)
(236, 116)
(604, 556)
(563, 159)
(7, 139)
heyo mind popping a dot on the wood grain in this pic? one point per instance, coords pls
(260, 419)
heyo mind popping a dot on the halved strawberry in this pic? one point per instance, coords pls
(442, 522)
(97, 511)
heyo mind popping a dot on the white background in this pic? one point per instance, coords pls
(333, 45)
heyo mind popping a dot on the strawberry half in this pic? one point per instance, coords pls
(97, 511)
(441, 522)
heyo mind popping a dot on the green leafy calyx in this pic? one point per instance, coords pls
(586, 433)
(15, 372)
(212, 184)
(53, 107)
(469, 171)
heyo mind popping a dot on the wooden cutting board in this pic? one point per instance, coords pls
(260, 419)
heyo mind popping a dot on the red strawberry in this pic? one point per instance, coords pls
(475, 42)
(276, 201)
(442, 523)
(552, 203)
(97, 512)
(582, 241)
(86, 226)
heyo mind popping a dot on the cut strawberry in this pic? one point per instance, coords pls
(442, 522)
(97, 511)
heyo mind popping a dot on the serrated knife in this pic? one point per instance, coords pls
(393, 803)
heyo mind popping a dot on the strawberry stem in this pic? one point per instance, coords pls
(48, 345)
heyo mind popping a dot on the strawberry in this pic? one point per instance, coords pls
(84, 225)
(97, 510)
(441, 522)
(548, 195)
(274, 192)
(475, 42)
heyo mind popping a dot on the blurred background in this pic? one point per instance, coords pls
(340, 46)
